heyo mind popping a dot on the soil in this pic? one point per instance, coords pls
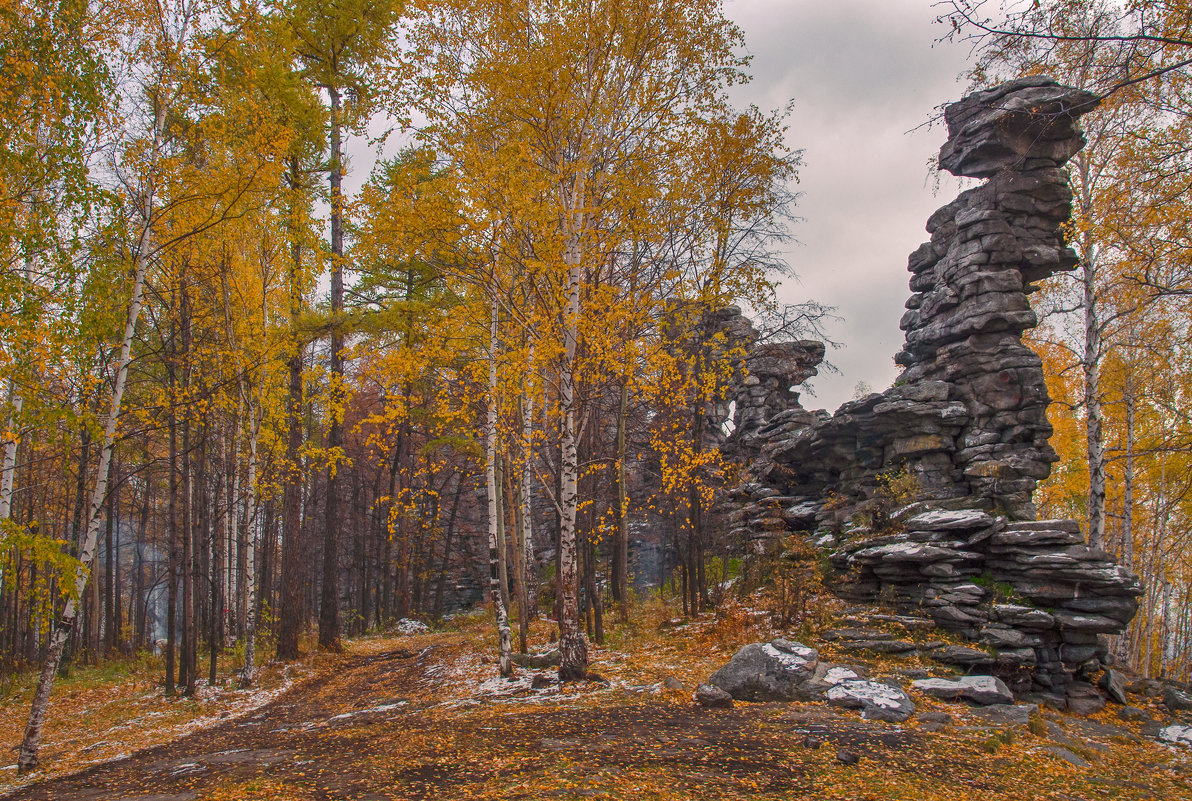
(373, 729)
(414, 719)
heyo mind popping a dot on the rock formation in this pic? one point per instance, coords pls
(964, 431)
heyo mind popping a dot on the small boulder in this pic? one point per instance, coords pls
(1114, 686)
(983, 690)
(671, 683)
(713, 697)
(875, 699)
(846, 757)
(1176, 699)
(773, 671)
(1134, 714)
(963, 656)
(409, 626)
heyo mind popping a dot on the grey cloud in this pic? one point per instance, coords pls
(863, 73)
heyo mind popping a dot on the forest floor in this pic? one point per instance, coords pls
(425, 716)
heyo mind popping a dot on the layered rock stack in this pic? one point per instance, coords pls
(964, 430)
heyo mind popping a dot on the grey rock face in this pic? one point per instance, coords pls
(1001, 128)
(965, 424)
(983, 690)
(773, 671)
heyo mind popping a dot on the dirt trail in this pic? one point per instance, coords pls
(418, 721)
(377, 728)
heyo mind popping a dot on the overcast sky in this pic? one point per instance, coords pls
(863, 74)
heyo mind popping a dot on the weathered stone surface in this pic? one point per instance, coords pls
(963, 657)
(983, 690)
(773, 671)
(1114, 686)
(1059, 752)
(1007, 714)
(1176, 700)
(1083, 699)
(712, 697)
(875, 699)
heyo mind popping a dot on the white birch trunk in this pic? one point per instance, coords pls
(1091, 363)
(252, 531)
(573, 644)
(526, 535)
(27, 759)
(8, 472)
(504, 634)
(29, 746)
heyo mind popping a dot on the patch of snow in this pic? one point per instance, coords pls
(873, 692)
(840, 674)
(381, 708)
(1176, 734)
(940, 520)
(787, 660)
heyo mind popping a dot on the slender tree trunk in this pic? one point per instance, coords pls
(8, 467)
(174, 562)
(109, 589)
(1127, 549)
(1091, 365)
(505, 637)
(291, 611)
(329, 631)
(447, 537)
(189, 630)
(526, 518)
(32, 740)
(573, 646)
(620, 587)
(252, 530)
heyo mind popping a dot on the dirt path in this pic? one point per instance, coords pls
(375, 729)
(403, 724)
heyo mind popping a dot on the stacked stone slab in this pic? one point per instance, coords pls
(966, 419)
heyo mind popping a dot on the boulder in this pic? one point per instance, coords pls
(875, 699)
(1114, 686)
(1134, 714)
(982, 690)
(773, 671)
(409, 626)
(1176, 699)
(713, 697)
